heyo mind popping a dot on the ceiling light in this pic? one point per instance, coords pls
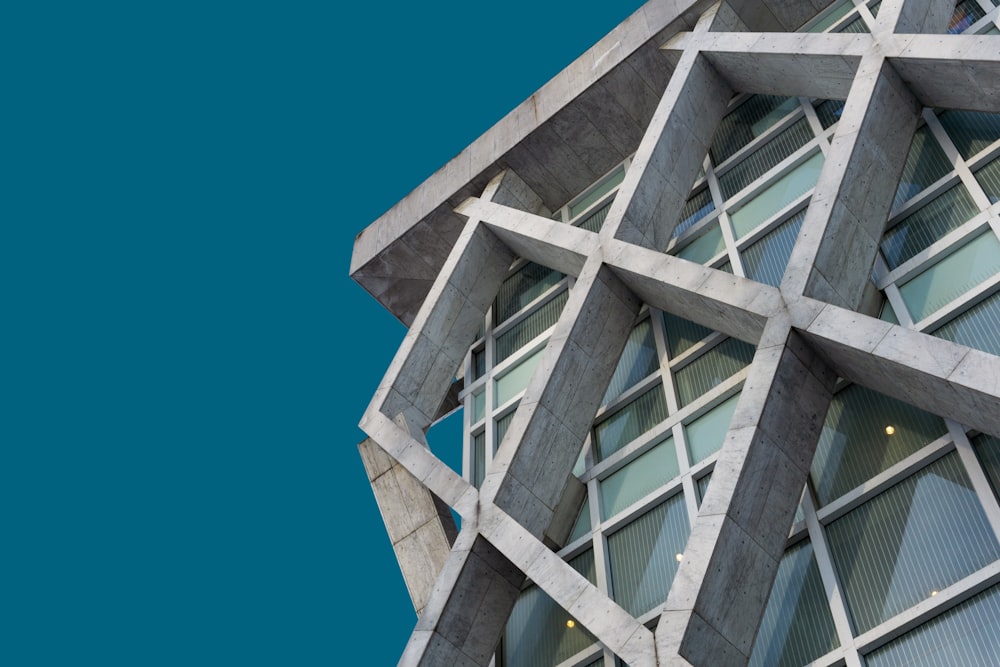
(890, 429)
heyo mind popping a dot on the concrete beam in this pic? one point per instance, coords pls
(776, 15)
(719, 595)
(837, 245)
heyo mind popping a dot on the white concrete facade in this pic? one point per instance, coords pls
(644, 226)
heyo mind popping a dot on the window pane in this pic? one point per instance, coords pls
(925, 163)
(644, 553)
(797, 626)
(638, 360)
(595, 220)
(765, 158)
(978, 327)
(642, 476)
(630, 422)
(478, 459)
(599, 191)
(706, 433)
(966, 13)
(696, 208)
(538, 633)
(705, 247)
(776, 196)
(829, 112)
(888, 314)
(971, 131)
(966, 636)
(903, 546)
(478, 406)
(530, 327)
(855, 26)
(856, 443)
(703, 487)
(478, 364)
(952, 276)
(928, 224)
(765, 260)
(582, 525)
(747, 121)
(988, 450)
(520, 289)
(516, 379)
(989, 178)
(839, 12)
(503, 424)
(709, 370)
(682, 334)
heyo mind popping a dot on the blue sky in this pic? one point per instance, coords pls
(187, 358)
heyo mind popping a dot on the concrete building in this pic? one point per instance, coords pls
(723, 304)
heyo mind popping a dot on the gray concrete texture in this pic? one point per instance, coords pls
(438, 257)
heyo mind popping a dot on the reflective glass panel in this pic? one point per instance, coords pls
(952, 276)
(710, 369)
(595, 220)
(978, 327)
(931, 222)
(966, 13)
(989, 178)
(988, 450)
(904, 545)
(522, 333)
(516, 379)
(765, 260)
(747, 121)
(705, 247)
(829, 112)
(503, 424)
(696, 208)
(839, 11)
(644, 556)
(762, 160)
(478, 406)
(971, 131)
(524, 286)
(925, 163)
(776, 196)
(630, 422)
(706, 433)
(865, 433)
(478, 459)
(638, 360)
(597, 192)
(642, 476)
(682, 334)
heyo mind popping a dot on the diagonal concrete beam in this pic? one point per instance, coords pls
(721, 589)
(838, 243)
(950, 71)
(935, 375)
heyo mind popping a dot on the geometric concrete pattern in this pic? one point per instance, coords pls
(808, 332)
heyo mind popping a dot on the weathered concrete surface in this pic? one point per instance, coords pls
(776, 15)
(837, 245)
(721, 589)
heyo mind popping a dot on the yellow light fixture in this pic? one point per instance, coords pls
(571, 623)
(890, 429)
(933, 593)
(679, 557)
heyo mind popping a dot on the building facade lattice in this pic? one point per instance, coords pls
(725, 310)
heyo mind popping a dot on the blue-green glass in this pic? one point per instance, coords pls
(478, 459)
(988, 450)
(478, 406)
(839, 11)
(978, 327)
(922, 535)
(594, 221)
(797, 626)
(525, 331)
(965, 636)
(629, 422)
(524, 286)
(682, 334)
(705, 247)
(989, 178)
(478, 364)
(855, 26)
(642, 476)
(703, 483)
(638, 360)
(829, 112)
(929, 223)
(854, 445)
(971, 131)
(925, 164)
(776, 196)
(747, 121)
(643, 556)
(516, 379)
(597, 192)
(503, 424)
(711, 369)
(874, 7)
(695, 208)
(582, 525)
(765, 260)
(537, 633)
(966, 13)
(765, 158)
(706, 434)
(888, 314)
(952, 276)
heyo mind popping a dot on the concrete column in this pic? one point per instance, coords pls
(721, 590)
(836, 248)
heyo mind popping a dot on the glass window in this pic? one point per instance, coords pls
(865, 433)
(988, 450)
(630, 422)
(855, 26)
(972, 131)
(765, 260)
(706, 434)
(638, 361)
(989, 178)
(478, 459)
(888, 314)
(642, 476)
(582, 525)
(539, 632)
(952, 276)
(524, 286)
(597, 192)
(748, 121)
(478, 405)
(645, 554)
(931, 222)
(966, 13)
(705, 247)
(908, 543)
(514, 381)
(522, 333)
(710, 369)
(797, 626)
(978, 327)
(965, 636)
(776, 196)
(594, 221)
(695, 208)
(682, 334)
(703, 487)
(765, 158)
(839, 11)
(478, 363)
(829, 112)
(503, 424)
(925, 163)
